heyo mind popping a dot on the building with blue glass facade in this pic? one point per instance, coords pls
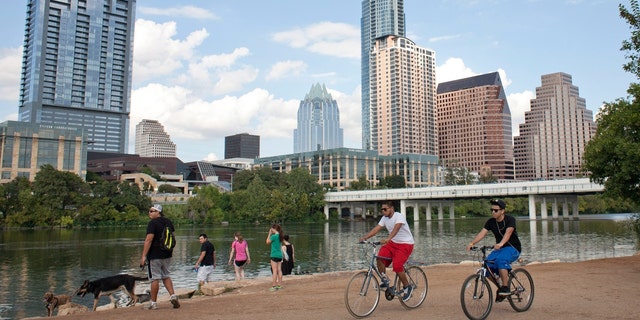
(76, 68)
(337, 169)
(318, 122)
(379, 18)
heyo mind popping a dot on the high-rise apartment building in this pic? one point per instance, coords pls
(379, 18)
(474, 126)
(242, 145)
(402, 98)
(555, 131)
(318, 122)
(76, 68)
(152, 141)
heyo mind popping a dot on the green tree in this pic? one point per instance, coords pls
(613, 154)
(392, 182)
(167, 188)
(361, 184)
(632, 46)
(58, 192)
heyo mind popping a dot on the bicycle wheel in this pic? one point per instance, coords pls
(418, 280)
(362, 294)
(522, 290)
(476, 297)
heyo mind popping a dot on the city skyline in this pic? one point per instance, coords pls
(208, 70)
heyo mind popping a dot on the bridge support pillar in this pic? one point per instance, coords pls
(532, 207)
(554, 208)
(543, 208)
(440, 211)
(428, 211)
(452, 212)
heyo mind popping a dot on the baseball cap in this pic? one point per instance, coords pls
(498, 202)
(156, 207)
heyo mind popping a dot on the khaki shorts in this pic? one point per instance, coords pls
(159, 269)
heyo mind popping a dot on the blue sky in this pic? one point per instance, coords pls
(207, 69)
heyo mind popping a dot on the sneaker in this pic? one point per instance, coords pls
(384, 284)
(175, 302)
(499, 298)
(278, 287)
(273, 288)
(504, 291)
(407, 293)
(152, 306)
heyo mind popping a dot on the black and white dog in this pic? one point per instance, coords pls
(107, 286)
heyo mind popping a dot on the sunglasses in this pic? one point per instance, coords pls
(495, 210)
(385, 209)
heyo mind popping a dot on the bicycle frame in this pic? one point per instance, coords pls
(363, 291)
(476, 295)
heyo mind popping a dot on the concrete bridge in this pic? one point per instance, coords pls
(555, 192)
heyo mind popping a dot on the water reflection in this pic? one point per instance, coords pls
(34, 262)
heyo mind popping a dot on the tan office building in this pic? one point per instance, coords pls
(555, 131)
(474, 126)
(402, 98)
(152, 141)
(25, 147)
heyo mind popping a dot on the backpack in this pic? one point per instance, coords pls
(167, 239)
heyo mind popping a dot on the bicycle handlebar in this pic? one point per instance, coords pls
(482, 248)
(374, 243)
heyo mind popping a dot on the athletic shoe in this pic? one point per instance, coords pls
(384, 284)
(278, 287)
(407, 293)
(504, 291)
(175, 302)
(273, 288)
(152, 306)
(499, 298)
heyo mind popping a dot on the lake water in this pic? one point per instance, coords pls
(35, 261)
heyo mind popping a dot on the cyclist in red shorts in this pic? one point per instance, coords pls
(397, 247)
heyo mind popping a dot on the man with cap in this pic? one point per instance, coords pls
(507, 248)
(157, 260)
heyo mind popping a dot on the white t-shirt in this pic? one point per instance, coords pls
(404, 234)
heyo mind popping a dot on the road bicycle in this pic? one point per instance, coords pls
(476, 296)
(363, 290)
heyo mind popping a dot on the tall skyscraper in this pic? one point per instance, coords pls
(152, 141)
(379, 18)
(76, 68)
(555, 131)
(242, 145)
(403, 98)
(474, 126)
(318, 122)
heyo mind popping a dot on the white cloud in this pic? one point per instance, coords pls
(444, 38)
(519, 103)
(326, 38)
(286, 68)
(211, 157)
(350, 105)
(10, 68)
(234, 80)
(157, 53)
(191, 12)
(453, 69)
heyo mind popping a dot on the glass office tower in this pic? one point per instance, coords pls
(379, 18)
(76, 68)
(318, 122)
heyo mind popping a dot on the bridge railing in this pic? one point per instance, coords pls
(566, 186)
